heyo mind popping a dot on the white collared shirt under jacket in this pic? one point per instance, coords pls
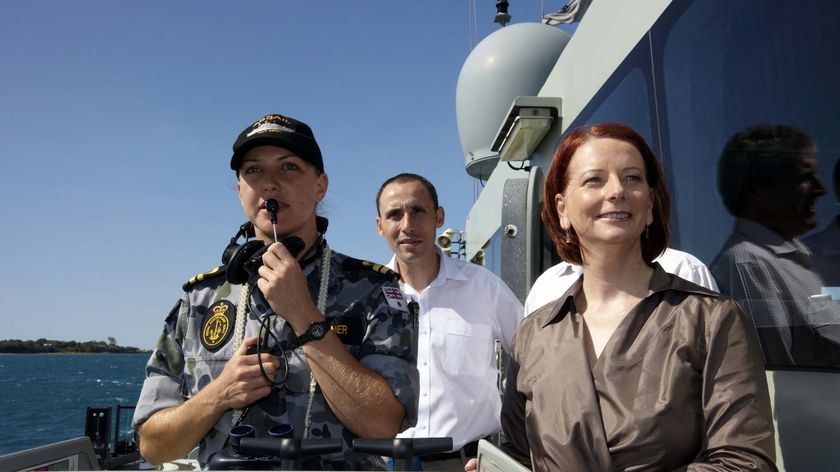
(554, 282)
(462, 313)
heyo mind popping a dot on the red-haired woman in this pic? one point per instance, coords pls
(632, 368)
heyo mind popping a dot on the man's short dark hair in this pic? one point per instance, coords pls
(757, 156)
(408, 177)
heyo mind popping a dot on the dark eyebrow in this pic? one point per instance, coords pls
(392, 212)
(281, 157)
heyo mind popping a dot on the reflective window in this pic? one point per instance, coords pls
(690, 87)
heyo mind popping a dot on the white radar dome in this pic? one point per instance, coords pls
(513, 61)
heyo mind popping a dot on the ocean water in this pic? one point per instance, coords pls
(44, 397)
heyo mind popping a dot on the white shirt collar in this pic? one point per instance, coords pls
(448, 269)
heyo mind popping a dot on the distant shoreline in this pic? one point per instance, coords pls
(49, 346)
(63, 353)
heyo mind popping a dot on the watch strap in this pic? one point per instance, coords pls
(309, 335)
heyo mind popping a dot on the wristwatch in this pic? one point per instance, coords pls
(317, 330)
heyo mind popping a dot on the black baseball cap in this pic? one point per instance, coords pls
(282, 131)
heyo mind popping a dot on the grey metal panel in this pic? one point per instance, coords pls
(521, 229)
(533, 224)
(485, 217)
(73, 454)
(515, 236)
(610, 29)
(807, 419)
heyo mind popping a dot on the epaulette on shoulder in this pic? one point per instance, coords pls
(351, 263)
(210, 274)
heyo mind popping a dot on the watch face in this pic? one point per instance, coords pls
(318, 330)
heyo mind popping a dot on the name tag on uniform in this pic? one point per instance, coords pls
(349, 330)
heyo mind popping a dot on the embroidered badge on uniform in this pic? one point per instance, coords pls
(395, 298)
(218, 325)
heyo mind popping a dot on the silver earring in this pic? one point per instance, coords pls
(568, 237)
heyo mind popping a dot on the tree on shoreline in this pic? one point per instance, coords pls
(46, 346)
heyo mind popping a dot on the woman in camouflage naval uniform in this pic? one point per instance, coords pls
(348, 365)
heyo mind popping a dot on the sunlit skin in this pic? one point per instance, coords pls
(173, 432)
(408, 220)
(266, 172)
(607, 199)
(361, 399)
(274, 172)
(608, 202)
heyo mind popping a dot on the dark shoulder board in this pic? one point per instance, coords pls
(210, 274)
(353, 264)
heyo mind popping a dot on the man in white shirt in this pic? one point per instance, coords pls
(463, 309)
(554, 282)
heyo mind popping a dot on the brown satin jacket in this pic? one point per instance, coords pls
(680, 385)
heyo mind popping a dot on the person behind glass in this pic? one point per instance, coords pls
(203, 378)
(825, 245)
(632, 368)
(767, 178)
(463, 309)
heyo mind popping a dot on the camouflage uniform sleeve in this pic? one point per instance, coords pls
(163, 384)
(389, 347)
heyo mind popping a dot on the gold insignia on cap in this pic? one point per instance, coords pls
(267, 118)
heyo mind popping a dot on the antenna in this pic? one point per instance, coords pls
(502, 16)
(271, 206)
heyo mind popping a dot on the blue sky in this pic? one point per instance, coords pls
(117, 122)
